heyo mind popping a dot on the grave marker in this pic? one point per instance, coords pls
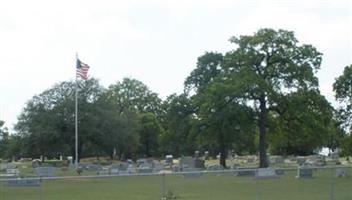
(45, 171)
(265, 173)
(304, 172)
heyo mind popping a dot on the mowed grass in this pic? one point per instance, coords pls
(209, 186)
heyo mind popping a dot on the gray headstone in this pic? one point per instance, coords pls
(24, 182)
(104, 171)
(279, 172)
(199, 163)
(206, 155)
(187, 162)
(93, 167)
(341, 172)
(245, 171)
(169, 159)
(45, 171)
(114, 171)
(304, 173)
(265, 173)
(215, 167)
(301, 160)
(276, 159)
(158, 167)
(35, 163)
(13, 171)
(145, 168)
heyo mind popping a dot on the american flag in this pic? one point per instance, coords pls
(81, 70)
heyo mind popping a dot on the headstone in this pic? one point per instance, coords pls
(145, 168)
(104, 171)
(316, 160)
(245, 171)
(144, 161)
(25, 159)
(304, 172)
(70, 161)
(8, 176)
(206, 155)
(196, 154)
(191, 173)
(250, 160)
(334, 157)
(114, 170)
(215, 167)
(199, 163)
(45, 171)
(13, 171)
(131, 169)
(93, 167)
(340, 172)
(169, 159)
(157, 167)
(265, 173)
(186, 162)
(3, 167)
(279, 172)
(24, 182)
(175, 168)
(10, 166)
(35, 163)
(301, 160)
(276, 159)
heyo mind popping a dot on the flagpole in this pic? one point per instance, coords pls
(76, 120)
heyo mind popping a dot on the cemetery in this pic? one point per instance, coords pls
(188, 177)
(233, 109)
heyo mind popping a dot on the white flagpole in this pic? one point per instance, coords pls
(76, 124)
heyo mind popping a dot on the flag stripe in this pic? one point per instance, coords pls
(81, 70)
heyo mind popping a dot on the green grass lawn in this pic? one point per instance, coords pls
(209, 186)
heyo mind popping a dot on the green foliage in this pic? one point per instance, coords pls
(149, 132)
(343, 93)
(267, 66)
(208, 67)
(262, 69)
(131, 94)
(4, 139)
(225, 119)
(302, 123)
(178, 120)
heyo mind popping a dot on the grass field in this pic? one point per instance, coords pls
(209, 186)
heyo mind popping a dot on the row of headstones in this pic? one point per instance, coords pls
(141, 166)
(12, 174)
(315, 160)
(270, 172)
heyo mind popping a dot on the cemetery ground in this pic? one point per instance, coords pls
(214, 185)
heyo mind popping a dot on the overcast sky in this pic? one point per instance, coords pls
(154, 41)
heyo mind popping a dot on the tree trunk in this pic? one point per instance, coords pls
(147, 153)
(223, 155)
(263, 162)
(223, 149)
